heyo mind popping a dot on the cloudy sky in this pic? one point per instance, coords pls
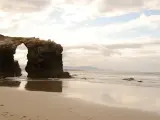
(110, 34)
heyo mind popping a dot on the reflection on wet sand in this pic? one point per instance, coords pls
(47, 86)
(6, 83)
(135, 97)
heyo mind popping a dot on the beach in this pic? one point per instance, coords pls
(79, 60)
(26, 105)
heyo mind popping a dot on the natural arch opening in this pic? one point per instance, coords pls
(21, 56)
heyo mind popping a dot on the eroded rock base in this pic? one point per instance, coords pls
(8, 66)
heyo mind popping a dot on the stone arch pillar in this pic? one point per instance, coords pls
(8, 66)
(44, 59)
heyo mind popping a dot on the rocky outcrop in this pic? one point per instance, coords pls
(44, 58)
(8, 66)
(129, 79)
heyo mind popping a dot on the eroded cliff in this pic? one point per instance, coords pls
(44, 58)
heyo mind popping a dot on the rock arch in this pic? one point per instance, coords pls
(44, 58)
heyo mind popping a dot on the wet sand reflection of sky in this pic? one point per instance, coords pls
(135, 97)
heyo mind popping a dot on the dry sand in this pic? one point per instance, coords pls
(25, 105)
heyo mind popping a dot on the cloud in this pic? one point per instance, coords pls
(150, 22)
(134, 45)
(63, 17)
(128, 5)
(90, 49)
(141, 46)
(114, 5)
(129, 44)
(108, 7)
(136, 55)
(23, 5)
(108, 33)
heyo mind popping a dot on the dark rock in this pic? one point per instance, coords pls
(17, 69)
(43, 63)
(74, 75)
(140, 81)
(129, 79)
(2, 76)
(44, 58)
(84, 78)
(62, 75)
(9, 67)
(2, 37)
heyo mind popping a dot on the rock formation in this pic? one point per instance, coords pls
(8, 66)
(44, 58)
(129, 79)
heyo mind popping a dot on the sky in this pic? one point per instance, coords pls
(121, 35)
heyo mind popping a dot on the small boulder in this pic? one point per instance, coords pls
(129, 79)
(84, 78)
(74, 75)
(64, 75)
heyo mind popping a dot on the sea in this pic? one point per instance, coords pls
(100, 87)
(144, 79)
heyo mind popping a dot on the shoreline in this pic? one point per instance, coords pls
(27, 105)
(112, 95)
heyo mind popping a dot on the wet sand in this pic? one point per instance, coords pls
(27, 105)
